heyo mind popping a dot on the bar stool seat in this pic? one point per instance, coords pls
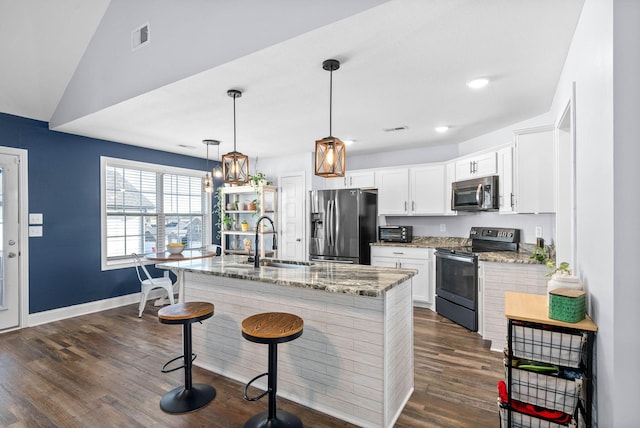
(271, 328)
(191, 396)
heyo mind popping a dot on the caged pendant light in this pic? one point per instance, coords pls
(207, 180)
(330, 151)
(235, 165)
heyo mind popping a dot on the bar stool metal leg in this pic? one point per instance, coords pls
(271, 328)
(189, 397)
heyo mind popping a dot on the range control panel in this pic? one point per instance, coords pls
(495, 234)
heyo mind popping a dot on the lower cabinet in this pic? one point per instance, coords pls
(420, 259)
(495, 279)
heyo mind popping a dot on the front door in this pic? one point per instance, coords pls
(9, 243)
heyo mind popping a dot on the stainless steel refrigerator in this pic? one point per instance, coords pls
(343, 224)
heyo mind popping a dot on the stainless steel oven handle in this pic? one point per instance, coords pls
(464, 259)
(480, 195)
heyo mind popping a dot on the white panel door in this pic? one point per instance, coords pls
(9, 243)
(292, 232)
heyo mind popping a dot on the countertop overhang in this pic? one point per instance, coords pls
(353, 279)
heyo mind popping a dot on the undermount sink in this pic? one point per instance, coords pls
(286, 265)
(270, 263)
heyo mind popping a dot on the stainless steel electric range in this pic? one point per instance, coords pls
(457, 273)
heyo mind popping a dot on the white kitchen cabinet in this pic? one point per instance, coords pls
(426, 189)
(449, 178)
(495, 279)
(420, 259)
(479, 165)
(416, 190)
(360, 179)
(535, 176)
(505, 171)
(393, 191)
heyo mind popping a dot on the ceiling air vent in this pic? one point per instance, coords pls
(396, 128)
(140, 37)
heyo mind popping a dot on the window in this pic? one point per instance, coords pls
(147, 206)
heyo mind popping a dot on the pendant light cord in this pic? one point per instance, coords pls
(234, 122)
(330, 99)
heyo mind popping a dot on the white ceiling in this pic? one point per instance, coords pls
(404, 63)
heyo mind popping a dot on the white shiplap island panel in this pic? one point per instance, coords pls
(354, 359)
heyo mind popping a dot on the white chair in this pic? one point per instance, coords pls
(146, 285)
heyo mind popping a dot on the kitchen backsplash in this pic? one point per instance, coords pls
(460, 225)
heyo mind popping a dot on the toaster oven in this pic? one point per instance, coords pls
(395, 233)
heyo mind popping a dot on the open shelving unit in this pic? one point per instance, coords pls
(236, 204)
(540, 340)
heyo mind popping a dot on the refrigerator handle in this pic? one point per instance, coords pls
(330, 223)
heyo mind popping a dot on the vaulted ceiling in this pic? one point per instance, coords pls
(404, 64)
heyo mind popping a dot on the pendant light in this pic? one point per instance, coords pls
(217, 170)
(207, 180)
(235, 165)
(330, 151)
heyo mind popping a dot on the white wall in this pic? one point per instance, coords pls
(604, 62)
(626, 205)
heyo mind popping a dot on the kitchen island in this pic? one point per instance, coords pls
(354, 359)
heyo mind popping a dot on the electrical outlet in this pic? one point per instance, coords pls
(443, 227)
(538, 231)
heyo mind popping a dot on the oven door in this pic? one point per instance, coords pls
(457, 279)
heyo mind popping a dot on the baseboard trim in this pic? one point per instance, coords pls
(58, 314)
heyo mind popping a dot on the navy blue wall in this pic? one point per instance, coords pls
(64, 185)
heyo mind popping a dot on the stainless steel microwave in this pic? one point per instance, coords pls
(395, 233)
(476, 194)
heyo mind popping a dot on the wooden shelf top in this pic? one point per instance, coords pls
(535, 308)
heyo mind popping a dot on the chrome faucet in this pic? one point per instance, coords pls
(256, 257)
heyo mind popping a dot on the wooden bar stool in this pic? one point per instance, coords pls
(271, 328)
(188, 397)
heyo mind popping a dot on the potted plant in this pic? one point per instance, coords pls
(258, 180)
(254, 206)
(244, 225)
(228, 221)
(561, 276)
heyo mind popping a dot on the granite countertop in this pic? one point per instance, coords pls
(362, 280)
(521, 256)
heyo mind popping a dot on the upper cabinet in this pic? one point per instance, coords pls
(505, 171)
(360, 179)
(393, 191)
(416, 190)
(476, 166)
(535, 172)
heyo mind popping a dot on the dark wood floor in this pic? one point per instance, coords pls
(103, 370)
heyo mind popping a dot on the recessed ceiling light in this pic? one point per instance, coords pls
(442, 129)
(348, 142)
(478, 83)
(186, 146)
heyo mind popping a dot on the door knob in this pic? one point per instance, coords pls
(11, 255)
(298, 239)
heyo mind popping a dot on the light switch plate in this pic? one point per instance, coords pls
(35, 218)
(35, 231)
